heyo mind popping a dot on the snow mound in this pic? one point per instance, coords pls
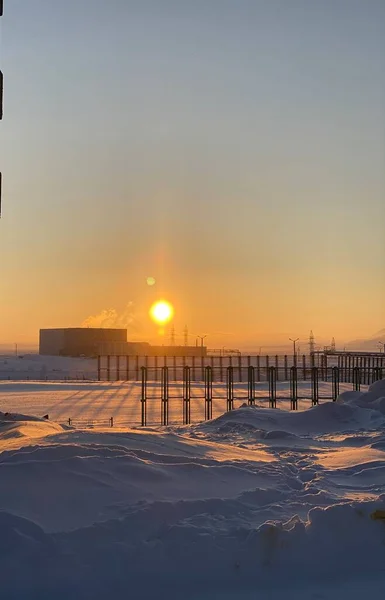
(373, 399)
(17, 430)
(344, 415)
(378, 388)
(94, 477)
(14, 418)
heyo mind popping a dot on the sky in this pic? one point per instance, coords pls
(234, 150)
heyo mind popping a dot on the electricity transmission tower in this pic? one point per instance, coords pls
(311, 343)
(172, 335)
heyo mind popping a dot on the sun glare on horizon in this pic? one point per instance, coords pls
(161, 312)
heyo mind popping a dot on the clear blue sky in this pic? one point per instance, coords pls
(233, 149)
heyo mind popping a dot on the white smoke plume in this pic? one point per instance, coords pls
(112, 318)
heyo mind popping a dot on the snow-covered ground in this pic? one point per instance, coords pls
(86, 402)
(66, 388)
(256, 504)
(36, 367)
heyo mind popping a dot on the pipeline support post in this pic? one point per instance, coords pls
(315, 385)
(143, 398)
(294, 388)
(251, 386)
(164, 398)
(230, 388)
(186, 395)
(272, 374)
(336, 382)
(357, 379)
(208, 393)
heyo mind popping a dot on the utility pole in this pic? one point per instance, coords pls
(185, 333)
(294, 350)
(382, 346)
(201, 337)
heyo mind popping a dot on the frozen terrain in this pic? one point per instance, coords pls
(87, 403)
(256, 504)
(36, 367)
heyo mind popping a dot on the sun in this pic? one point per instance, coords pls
(161, 312)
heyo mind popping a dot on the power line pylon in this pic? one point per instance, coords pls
(172, 335)
(311, 343)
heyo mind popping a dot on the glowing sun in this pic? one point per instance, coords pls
(161, 312)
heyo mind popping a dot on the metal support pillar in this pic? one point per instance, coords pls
(230, 388)
(164, 398)
(186, 395)
(208, 393)
(286, 368)
(258, 368)
(143, 398)
(376, 374)
(315, 386)
(272, 374)
(294, 388)
(251, 385)
(357, 379)
(336, 382)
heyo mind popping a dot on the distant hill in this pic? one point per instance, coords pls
(368, 345)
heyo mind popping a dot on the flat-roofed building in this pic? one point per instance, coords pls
(78, 341)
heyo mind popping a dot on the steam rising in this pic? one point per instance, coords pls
(111, 318)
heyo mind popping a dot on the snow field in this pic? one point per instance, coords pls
(257, 503)
(84, 402)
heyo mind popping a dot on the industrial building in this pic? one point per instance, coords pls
(176, 351)
(78, 341)
(146, 349)
(92, 342)
(123, 348)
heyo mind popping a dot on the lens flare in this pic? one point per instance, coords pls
(161, 312)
